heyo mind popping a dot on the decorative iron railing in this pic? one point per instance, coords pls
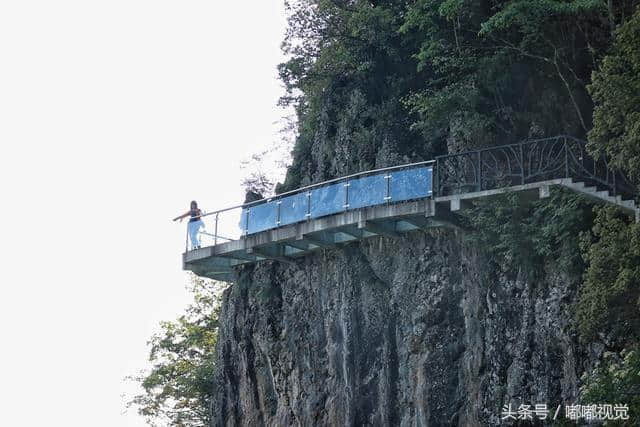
(523, 163)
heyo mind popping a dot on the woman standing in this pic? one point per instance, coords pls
(194, 224)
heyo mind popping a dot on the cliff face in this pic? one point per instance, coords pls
(420, 330)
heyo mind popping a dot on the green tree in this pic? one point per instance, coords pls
(615, 381)
(348, 71)
(533, 234)
(616, 93)
(608, 300)
(389, 81)
(177, 389)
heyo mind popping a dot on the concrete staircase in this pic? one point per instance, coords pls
(629, 206)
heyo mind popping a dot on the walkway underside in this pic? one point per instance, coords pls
(288, 242)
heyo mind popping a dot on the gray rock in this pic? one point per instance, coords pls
(415, 331)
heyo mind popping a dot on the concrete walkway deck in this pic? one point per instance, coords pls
(286, 243)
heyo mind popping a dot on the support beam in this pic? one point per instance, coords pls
(207, 270)
(419, 222)
(430, 207)
(240, 256)
(264, 252)
(224, 277)
(293, 252)
(375, 228)
(298, 244)
(352, 231)
(544, 191)
(426, 223)
(458, 203)
(317, 241)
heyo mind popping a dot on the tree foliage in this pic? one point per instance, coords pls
(609, 297)
(177, 389)
(388, 81)
(530, 235)
(615, 380)
(616, 93)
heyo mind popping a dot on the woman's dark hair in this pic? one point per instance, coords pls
(194, 204)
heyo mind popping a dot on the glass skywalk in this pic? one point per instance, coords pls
(358, 191)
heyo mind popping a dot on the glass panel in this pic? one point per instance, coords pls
(293, 208)
(262, 217)
(367, 191)
(242, 223)
(411, 184)
(327, 200)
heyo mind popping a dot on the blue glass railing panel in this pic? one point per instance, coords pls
(327, 200)
(243, 220)
(411, 184)
(262, 217)
(367, 191)
(404, 184)
(293, 208)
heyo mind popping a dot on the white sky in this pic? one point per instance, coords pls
(113, 116)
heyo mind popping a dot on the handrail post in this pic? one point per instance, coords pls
(346, 195)
(246, 222)
(186, 239)
(278, 207)
(387, 195)
(215, 233)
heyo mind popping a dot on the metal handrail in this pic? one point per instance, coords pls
(305, 189)
(554, 156)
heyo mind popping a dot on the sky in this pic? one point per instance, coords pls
(113, 116)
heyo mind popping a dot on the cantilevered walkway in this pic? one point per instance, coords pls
(390, 201)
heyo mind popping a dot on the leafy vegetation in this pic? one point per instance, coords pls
(616, 92)
(616, 379)
(609, 299)
(424, 77)
(531, 235)
(177, 389)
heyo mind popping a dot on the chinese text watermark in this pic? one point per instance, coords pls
(572, 412)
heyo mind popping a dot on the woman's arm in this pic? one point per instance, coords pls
(180, 217)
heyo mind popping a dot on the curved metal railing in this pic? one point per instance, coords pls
(526, 162)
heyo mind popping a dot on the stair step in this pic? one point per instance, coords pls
(589, 189)
(604, 194)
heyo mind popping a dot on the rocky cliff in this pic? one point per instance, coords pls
(421, 330)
